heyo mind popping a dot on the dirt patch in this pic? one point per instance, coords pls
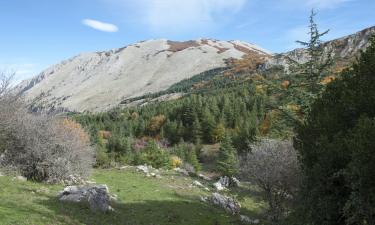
(176, 46)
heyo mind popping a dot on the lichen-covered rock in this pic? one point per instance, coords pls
(227, 203)
(97, 197)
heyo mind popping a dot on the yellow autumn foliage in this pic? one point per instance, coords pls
(175, 161)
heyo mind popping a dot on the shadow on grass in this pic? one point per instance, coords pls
(146, 212)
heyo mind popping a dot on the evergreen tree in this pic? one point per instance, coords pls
(336, 148)
(227, 161)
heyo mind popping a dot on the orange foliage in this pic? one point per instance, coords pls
(328, 79)
(103, 134)
(156, 122)
(75, 127)
(285, 84)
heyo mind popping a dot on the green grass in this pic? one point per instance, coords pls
(141, 200)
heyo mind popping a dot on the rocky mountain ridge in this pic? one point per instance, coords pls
(101, 80)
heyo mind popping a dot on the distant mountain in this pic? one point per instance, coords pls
(101, 80)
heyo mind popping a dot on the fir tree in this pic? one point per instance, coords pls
(227, 161)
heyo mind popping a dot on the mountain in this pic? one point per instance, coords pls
(343, 50)
(101, 80)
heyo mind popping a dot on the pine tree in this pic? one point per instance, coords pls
(227, 162)
(336, 149)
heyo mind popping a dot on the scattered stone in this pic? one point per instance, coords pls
(218, 186)
(247, 220)
(204, 177)
(226, 182)
(206, 189)
(143, 168)
(198, 184)
(182, 171)
(97, 197)
(123, 167)
(228, 204)
(235, 182)
(20, 178)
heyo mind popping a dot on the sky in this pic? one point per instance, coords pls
(38, 33)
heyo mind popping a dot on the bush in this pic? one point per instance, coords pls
(40, 147)
(175, 162)
(272, 165)
(188, 153)
(153, 155)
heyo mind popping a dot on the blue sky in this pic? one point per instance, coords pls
(38, 33)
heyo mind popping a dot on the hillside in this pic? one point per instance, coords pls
(101, 80)
(171, 199)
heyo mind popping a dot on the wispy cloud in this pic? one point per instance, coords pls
(170, 17)
(188, 15)
(101, 26)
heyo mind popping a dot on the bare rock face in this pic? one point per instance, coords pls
(99, 81)
(228, 204)
(97, 197)
(343, 50)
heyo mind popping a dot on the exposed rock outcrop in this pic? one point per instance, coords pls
(97, 197)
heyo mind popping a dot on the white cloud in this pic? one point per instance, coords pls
(165, 17)
(98, 25)
(187, 15)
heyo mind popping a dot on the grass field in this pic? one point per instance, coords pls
(141, 200)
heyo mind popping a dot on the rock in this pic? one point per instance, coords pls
(97, 197)
(225, 182)
(218, 186)
(143, 168)
(204, 177)
(235, 182)
(20, 178)
(1, 175)
(247, 220)
(228, 204)
(124, 167)
(198, 184)
(182, 171)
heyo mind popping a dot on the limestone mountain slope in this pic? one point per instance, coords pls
(343, 50)
(99, 81)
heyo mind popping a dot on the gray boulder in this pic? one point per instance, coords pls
(228, 204)
(182, 171)
(246, 220)
(97, 197)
